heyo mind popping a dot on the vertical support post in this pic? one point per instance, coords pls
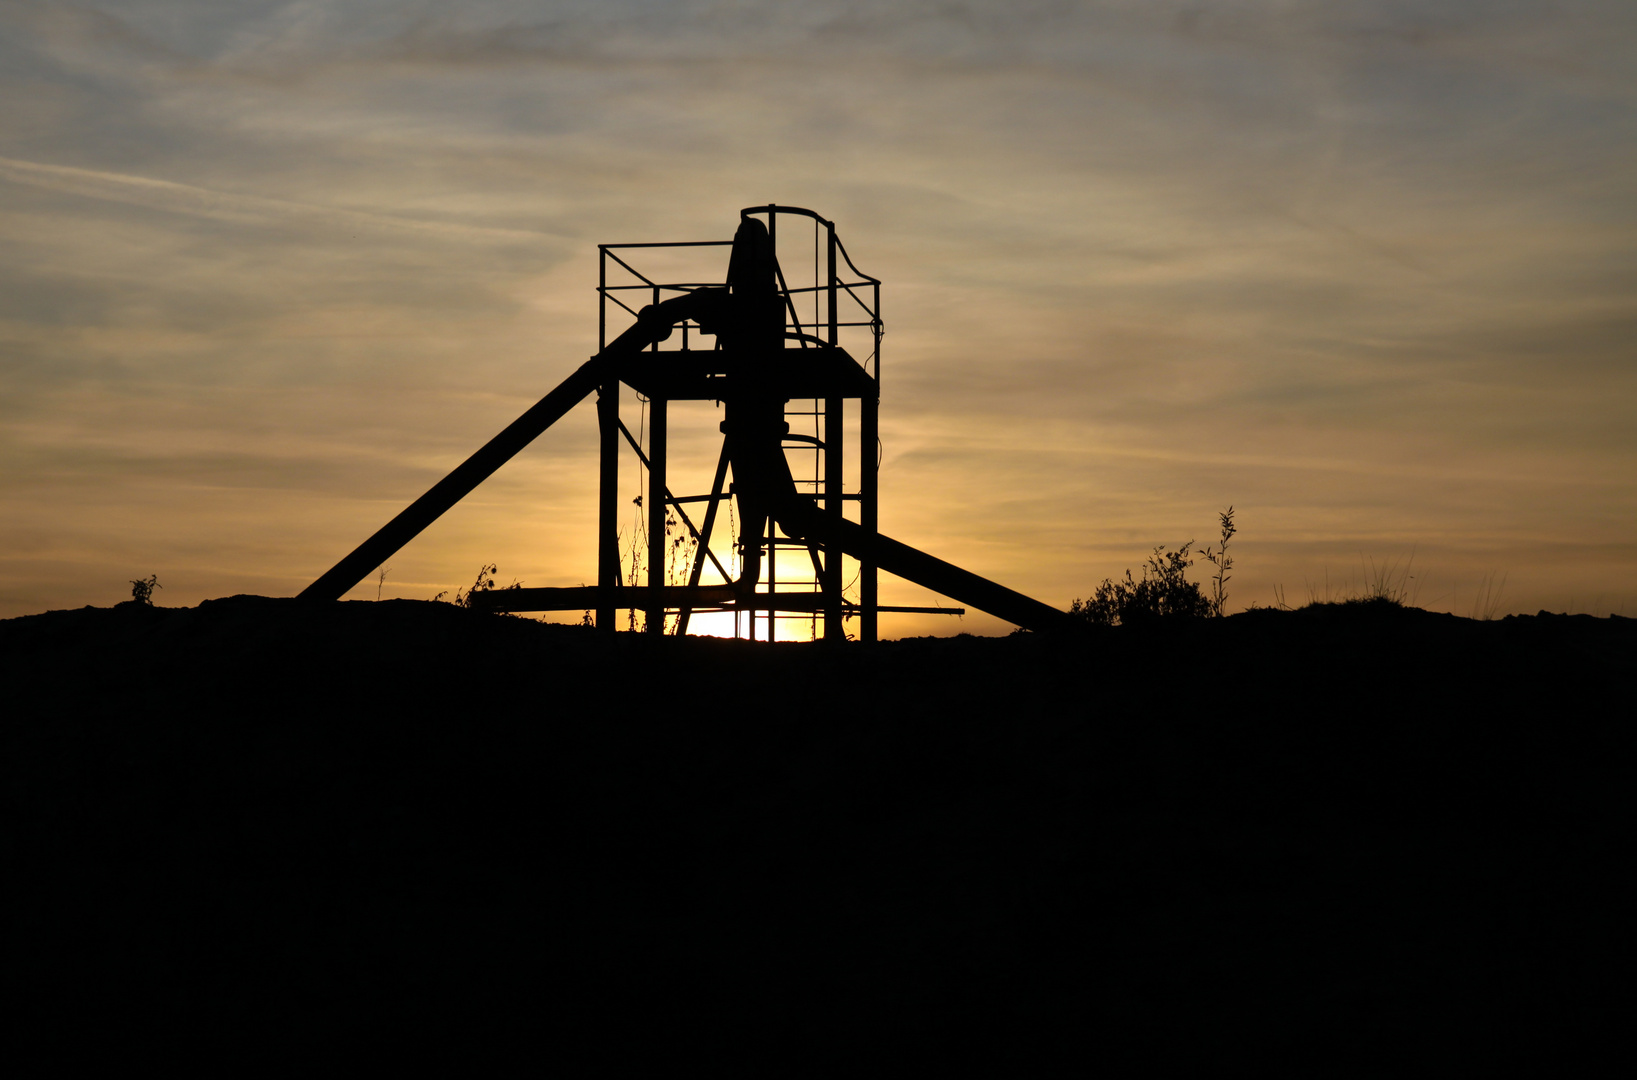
(608, 498)
(608, 467)
(772, 548)
(830, 290)
(657, 509)
(869, 425)
(834, 441)
(875, 318)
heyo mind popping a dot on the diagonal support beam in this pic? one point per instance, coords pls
(334, 583)
(653, 324)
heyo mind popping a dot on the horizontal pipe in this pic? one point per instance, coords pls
(576, 598)
(673, 243)
(722, 597)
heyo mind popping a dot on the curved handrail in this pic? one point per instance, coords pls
(775, 208)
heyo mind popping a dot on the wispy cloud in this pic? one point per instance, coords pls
(171, 197)
(1366, 270)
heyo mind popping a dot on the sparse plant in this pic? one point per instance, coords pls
(380, 580)
(1313, 594)
(680, 550)
(585, 618)
(639, 535)
(1386, 583)
(1223, 563)
(485, 583)
(142, 589)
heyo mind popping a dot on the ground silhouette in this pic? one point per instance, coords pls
(298, 818)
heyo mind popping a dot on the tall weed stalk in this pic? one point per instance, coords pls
(1223, 563)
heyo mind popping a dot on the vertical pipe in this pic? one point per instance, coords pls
(772, 576)
(869, 422)
(657, 509)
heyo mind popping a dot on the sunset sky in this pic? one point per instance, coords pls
(1367, 271)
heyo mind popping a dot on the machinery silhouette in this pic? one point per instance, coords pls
(765, 358)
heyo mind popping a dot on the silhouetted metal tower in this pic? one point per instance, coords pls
(779, 370)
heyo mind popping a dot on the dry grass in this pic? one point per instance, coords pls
(1487, 603)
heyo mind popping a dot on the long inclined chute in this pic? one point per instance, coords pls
(913, 564)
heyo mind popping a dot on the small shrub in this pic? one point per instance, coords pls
(142, 591)
(1163, 592)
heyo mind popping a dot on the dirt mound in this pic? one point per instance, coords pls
(264, 815)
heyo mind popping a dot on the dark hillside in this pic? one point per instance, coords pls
(257, 815)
